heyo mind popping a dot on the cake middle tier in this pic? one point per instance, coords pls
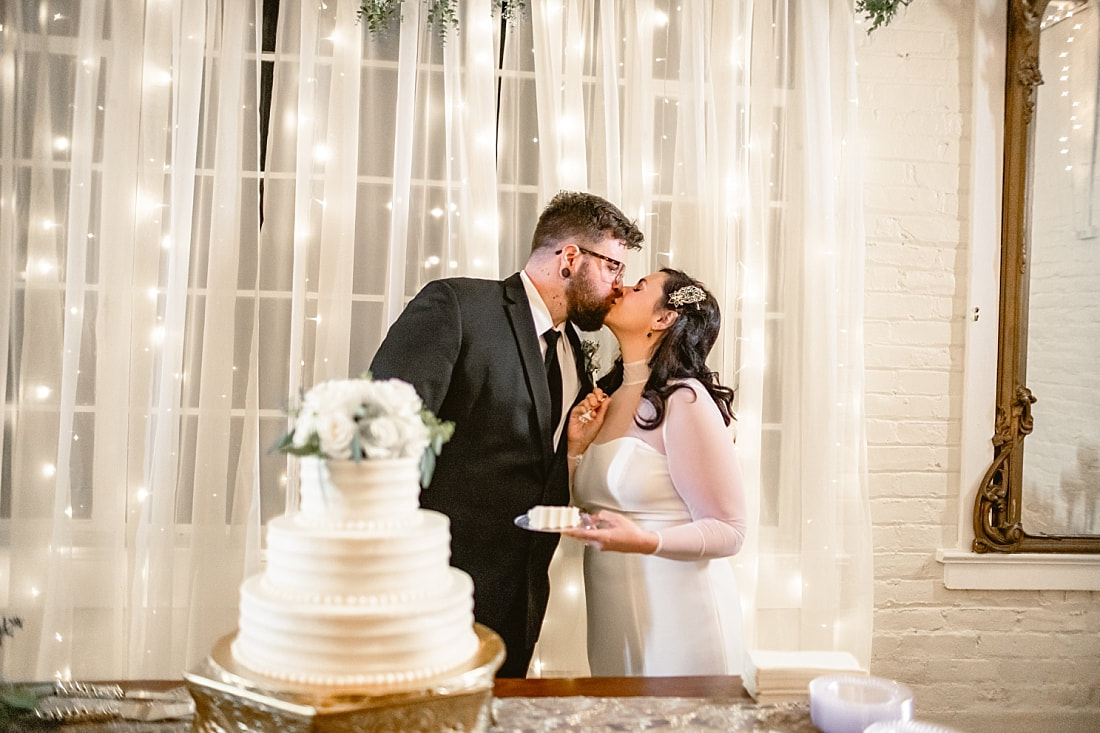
(357, 565)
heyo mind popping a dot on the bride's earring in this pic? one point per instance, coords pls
(649, 335)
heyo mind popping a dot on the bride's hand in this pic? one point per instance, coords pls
(614, 532)
(585, 420)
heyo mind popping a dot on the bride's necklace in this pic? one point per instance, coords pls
(635, 372)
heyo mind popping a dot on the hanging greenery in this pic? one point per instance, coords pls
(879, 12)
(442, 15)
(379, 15)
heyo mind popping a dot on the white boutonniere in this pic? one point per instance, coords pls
(590, 350)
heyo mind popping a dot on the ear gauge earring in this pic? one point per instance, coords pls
(565, 272)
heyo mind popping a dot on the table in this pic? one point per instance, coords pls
(599, 704)
(593, 705)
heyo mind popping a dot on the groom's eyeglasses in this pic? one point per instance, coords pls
(614, 269)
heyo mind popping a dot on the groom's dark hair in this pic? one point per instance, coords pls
(575, 214)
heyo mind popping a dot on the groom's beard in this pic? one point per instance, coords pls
(585, 307)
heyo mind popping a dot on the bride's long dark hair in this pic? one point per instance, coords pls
(682, 353)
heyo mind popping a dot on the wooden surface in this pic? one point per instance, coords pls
(717, 687)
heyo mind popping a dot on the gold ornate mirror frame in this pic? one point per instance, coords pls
(997, 508)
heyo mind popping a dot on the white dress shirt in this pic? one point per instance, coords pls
(570, 382)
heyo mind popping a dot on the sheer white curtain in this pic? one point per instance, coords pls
(156, 332)
(738, 151)
(129, 203)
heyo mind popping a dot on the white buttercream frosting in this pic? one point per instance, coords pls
(357, 588)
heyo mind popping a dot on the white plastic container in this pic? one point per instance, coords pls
(848, 704)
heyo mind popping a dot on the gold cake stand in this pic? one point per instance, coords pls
(231, 698)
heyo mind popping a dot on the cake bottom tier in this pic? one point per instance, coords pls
(336, 644)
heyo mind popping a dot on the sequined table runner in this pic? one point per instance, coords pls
(588, 714)
(607, 714)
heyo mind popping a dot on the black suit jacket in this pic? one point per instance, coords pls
(470, 348)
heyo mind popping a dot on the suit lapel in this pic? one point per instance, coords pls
(580, 363)
(527, 341)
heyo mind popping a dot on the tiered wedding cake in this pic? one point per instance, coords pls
(358, 590)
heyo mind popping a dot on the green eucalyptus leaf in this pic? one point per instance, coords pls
(879, 12)
(427, 468)
(286, 444)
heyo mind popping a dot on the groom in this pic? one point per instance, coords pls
(477, 352)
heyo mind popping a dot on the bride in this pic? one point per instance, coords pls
(655, 465)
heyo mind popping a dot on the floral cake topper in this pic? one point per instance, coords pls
(367, 419)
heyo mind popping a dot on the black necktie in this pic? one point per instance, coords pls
(553, 376)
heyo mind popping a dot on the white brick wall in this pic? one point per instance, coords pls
(981, 661)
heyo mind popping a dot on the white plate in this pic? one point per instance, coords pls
(524, 522)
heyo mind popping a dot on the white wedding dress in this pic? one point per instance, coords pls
(678, 611)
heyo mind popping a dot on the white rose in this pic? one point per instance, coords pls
(336, 431)
(395, 398)
(381, 438)
(328, 397)
(312, 402)
(414, 436)
(351, 396)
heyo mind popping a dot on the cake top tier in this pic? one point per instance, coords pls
(347, 491)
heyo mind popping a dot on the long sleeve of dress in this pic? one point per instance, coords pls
(703, 466)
